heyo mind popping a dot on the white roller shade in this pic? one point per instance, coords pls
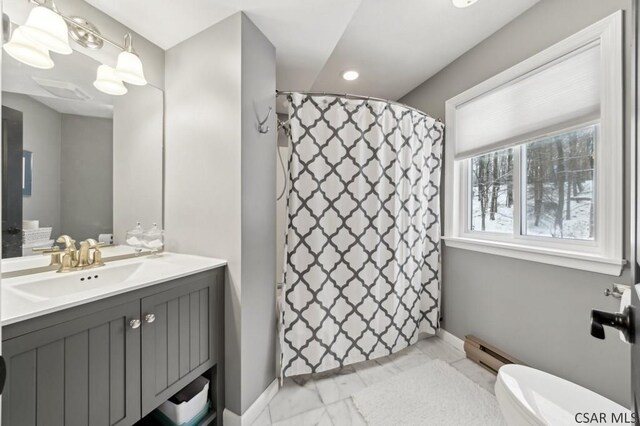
(562, 92)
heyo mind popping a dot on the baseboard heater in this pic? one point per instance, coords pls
(486, 355)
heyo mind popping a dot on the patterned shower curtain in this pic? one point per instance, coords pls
(362, 267)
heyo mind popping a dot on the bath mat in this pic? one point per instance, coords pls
(433, 394)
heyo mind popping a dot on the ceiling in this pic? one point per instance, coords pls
(394, 44)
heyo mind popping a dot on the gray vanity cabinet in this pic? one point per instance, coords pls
(111, 362)
(177, 344)
(81, 372)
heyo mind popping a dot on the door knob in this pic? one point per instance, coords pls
(149, 318)
(134, 323)
(621, 321)
(3, 373)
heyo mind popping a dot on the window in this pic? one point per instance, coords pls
(534, 157)
(557, 198)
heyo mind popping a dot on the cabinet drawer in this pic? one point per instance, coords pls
(81, 372)
(178, 345)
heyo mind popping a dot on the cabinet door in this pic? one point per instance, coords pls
(82, 372)
(178, 345)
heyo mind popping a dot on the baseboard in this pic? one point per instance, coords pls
(450, 339)
(229, 418)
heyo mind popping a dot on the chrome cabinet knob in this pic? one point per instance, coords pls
(135, 323)
(149, 318)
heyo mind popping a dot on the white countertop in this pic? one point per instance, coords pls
(30, 296)
(40, 260)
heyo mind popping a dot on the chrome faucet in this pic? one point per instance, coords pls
(72, 258)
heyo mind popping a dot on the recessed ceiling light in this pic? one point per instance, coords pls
(350, 75)
(463, 3)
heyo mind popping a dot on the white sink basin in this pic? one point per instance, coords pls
(29, 296)
(65, 284)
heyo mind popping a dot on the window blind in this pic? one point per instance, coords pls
(563, 92)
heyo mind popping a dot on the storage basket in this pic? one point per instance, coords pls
(35, 235)
(187, 405)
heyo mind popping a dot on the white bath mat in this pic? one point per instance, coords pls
(434, 394)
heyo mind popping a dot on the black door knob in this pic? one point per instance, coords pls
(3, 373)
(597, 329)
(621, 321)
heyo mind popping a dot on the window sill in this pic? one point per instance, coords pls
(568, 259)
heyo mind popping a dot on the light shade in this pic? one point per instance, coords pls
(463, 3)
(108, 82)
(129, 69)
(47, 28)
(25, 50)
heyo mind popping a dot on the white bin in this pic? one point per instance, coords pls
(189, 402)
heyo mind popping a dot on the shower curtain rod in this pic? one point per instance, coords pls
(356, 97)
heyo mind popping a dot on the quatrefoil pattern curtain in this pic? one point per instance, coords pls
(362, 272)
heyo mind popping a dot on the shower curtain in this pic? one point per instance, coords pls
(362, 256)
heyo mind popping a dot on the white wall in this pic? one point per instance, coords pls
(42, 129)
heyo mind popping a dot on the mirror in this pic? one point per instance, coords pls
(76, 161)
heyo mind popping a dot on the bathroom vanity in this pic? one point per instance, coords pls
(109, 345)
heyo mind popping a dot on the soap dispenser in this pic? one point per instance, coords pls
(135, 237)
(154, 239)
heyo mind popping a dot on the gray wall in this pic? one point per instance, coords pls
(258, 214)
(539, 313)
(218, 191)
(42, 129)
(86, 176)
(138, 150)
(72, 169)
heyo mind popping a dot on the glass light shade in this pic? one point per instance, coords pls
(47, 28)
(23, 49)
(129, 69)
(108, 82)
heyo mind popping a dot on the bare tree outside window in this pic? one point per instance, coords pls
(492, 192)
(560, 185)
(558, 191)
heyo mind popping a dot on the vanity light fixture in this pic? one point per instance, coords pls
(350, 75)
(107, 81)
(47, 29)
(23, 49)
(463, 3)
(129, 67)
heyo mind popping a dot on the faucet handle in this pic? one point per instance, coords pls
(97, 254)
(46, 250)
(92, 243)
(54, 251)
(69, 242)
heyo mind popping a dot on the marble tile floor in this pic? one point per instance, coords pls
(325, 399)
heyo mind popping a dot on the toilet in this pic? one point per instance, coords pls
(532, 397)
